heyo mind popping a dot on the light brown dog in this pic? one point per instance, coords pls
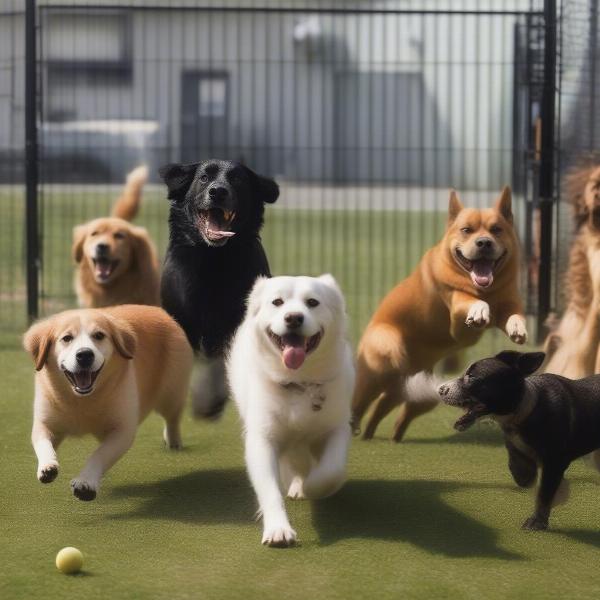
(572, 347)
(465, 283)
(100, 372)
(116, 261)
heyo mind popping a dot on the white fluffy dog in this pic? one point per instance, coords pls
(291, 374)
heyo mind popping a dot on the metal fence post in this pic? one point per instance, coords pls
(547, 174)
(31, 161)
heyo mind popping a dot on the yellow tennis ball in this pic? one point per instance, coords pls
(69, 560)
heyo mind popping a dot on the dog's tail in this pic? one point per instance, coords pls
(422, 388)
(126, 207)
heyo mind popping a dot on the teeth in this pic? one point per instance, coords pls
(229, 214)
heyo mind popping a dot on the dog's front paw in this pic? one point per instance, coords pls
(296, 491)
(83, 489)
(478, 315)
(47, 473)
(535, 523)
(279, 536)
(516, 329)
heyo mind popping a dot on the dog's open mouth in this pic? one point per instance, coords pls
(481, 270)
(472, 413)
(82, 381)
(294, 348)
(104, 268)
(215, 224)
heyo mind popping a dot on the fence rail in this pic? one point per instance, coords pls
(365, 115)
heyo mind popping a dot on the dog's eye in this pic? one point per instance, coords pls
(277, 302)
(495, 229)
(65, 339)
(312, 302)
(94, 233)
(119, 235)
(204, 178)
(99, 336)
(466, 230)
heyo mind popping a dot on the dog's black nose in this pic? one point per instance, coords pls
(443, 390)
(218, 193)
(102, 249)
(293, 320)
(484, 242)
(84, 357)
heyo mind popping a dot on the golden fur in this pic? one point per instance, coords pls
(572, 347)
(134, 270)
(423, 319)
(147, 366)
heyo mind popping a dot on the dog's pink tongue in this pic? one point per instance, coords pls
(293, 357)
(293, 354)
(482, 273)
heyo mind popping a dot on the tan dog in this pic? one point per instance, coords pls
(100, 372)
(465, 283)
(572, 348)
(116, 261)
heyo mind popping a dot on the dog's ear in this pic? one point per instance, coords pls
(454, 206)
(38, 341)
(79, 234)
(143, 248)
(508, 357)
(265, 188)
(178, 178)
(530, 362)
(504, 204)
(122, 336)
(332, 284)
(268, 190)
(254, 296)
(527, 363)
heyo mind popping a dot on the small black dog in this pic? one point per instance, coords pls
(547, 420)
(213, 258)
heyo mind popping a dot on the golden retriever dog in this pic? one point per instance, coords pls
(117, 261)
(100, 372)
(467, 282)
(572, 345)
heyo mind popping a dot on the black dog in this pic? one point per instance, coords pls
(213, 258)
(547, 420)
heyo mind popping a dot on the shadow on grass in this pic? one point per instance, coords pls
(484, 435)
(410, 511)
(585, 536)
(216, 496)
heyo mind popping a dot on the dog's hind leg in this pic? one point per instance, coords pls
(380, 356)
(209, 390)
(386, 402)
(369, 386)
(409, 411)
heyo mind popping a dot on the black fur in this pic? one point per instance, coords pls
(205, 282)
(548, 420)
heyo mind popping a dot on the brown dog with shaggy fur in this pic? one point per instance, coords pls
(117, 261)
(467, 282)
(572, 347)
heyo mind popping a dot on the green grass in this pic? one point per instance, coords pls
(436, 516)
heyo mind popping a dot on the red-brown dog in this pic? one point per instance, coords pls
(467, 282)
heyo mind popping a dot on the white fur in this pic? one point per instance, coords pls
(479, 314)
(290, 446)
